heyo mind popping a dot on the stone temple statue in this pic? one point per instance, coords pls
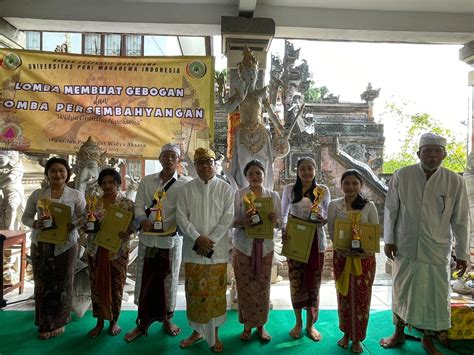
(90, 159)
(370, 94)
(132, 186)
(12, 198)
(252, 139)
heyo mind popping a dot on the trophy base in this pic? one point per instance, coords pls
(92, 227)
(158, 227)
(314, 216)
(255, 220)
(52, 226)
(356, 246)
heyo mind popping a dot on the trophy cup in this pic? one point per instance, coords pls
(316, 208)
(356, 233)
(92, 225)
(158, 222)
(255, 218)
(46, 217)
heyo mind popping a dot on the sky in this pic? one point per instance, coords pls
(428, 78)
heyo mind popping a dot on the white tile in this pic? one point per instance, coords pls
(279, 295)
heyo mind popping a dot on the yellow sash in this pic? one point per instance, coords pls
(353, 266)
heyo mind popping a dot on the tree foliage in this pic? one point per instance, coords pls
(315, 93)
(415, 125)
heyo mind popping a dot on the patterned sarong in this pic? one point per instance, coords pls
(206, 287)
(53, 276)
(107, 305)
(354, 308)
(301, 295)
(152, 305)
(253, 291)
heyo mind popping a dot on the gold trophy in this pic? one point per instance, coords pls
(316, 208)
(92, 225)
(158, 222)
(46, 217)
(255, 218)
(356, 232)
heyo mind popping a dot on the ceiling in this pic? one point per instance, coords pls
(416, 21)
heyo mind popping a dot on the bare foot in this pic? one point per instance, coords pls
(313, 333)
(428, 345)
(295, 333)
(356, 347)
(96, 330)
(57, 332)
(44, 335)
(263, 334)
(218, 346)
(114, 329)
(171, 328)
(344, 341)
(246, 334)
(133, 334)
(186, 343)
(392, 342)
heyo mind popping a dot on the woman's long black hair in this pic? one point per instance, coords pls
(298, 192)
(359, 201)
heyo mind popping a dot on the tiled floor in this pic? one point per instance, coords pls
(280, 296)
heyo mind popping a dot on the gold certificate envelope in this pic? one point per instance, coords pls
(302, 234)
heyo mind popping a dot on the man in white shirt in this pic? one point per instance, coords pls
(205, 213)
(159, 256)
(424, 201)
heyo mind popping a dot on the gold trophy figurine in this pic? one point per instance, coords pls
(255, 218)
(46, 217)
(158, 222)
(92, 225)
(356, 233)
(315, 213)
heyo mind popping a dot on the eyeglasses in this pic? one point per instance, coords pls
(208, 162)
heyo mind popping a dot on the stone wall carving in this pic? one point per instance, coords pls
(12, 201)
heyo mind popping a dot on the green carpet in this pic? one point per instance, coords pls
(18, 336)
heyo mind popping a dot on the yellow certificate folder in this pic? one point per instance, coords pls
(116, 220)
(370, 239)
(264, 230)
(302, 234)
(61, 217)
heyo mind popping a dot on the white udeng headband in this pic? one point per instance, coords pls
(171, 148)
(432, 139)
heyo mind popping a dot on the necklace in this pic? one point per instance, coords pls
(253, 138)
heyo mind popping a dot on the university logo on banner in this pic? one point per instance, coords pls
(131, 106)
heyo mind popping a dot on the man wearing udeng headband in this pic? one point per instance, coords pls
(205, 213)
